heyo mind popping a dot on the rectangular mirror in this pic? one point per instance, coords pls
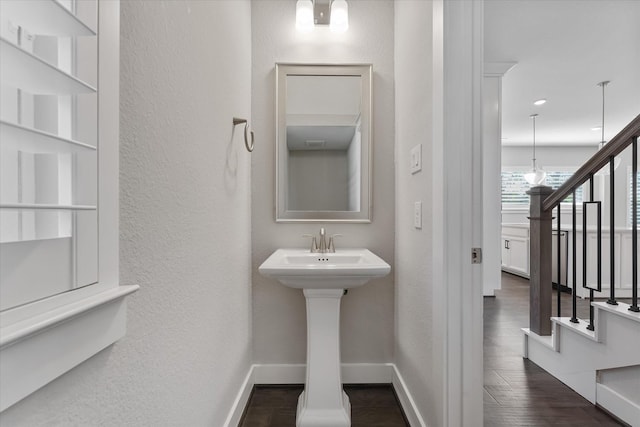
(323, 143)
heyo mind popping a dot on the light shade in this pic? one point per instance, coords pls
(339, 16)
(304, 15)
(536, 175)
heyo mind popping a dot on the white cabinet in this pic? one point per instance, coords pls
(515, 258)
(621, 263)
(626, 257)
(604, 262)
(515, 249)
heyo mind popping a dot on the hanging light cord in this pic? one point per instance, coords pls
(603, 84)
(534, 138)
(533, 116)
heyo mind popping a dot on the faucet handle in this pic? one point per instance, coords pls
(314, 244)
(331, 247)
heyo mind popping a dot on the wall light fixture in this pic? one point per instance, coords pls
(332, 13)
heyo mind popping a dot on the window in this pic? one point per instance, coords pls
(48, 150)
(515, 187)
(60, 300)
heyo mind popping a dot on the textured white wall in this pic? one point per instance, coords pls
(185, 228)
(417, 346)
(279, 321)
(491, 189)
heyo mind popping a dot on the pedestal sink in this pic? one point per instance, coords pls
(323, 277)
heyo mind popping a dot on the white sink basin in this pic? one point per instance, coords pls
(322, 277)
(346, 268)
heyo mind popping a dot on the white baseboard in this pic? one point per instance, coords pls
(406, 400)
(352, 373)
(623, 408)
(241, 400)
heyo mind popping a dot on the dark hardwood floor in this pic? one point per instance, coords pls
(517, 392)
(371, 406)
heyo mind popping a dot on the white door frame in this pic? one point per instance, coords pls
(458, 217)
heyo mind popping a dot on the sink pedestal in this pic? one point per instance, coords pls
(323, 277)
(323, 403)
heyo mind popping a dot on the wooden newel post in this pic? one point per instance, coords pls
(540, 262)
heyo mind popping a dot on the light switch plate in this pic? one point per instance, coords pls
(417, 215)
(416, 159)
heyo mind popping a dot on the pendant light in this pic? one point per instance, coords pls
(536, 175)
(605, 170)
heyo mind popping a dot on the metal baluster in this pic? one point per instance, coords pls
(612, 211)
(559, 264)
(584, 255)
(574, 302)
(634, 234)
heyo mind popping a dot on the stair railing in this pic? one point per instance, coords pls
(543, 202)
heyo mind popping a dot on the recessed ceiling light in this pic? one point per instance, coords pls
(596, 128)
(540, 101)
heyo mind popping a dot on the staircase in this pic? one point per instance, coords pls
(600, 357)
(602, 365)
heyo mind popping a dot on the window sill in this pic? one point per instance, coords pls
(38, 349)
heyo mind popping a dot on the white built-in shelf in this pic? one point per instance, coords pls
(17, 136)
(46, 18)
(26, 71)
(40, 206)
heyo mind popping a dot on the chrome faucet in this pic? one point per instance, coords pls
(322, 247)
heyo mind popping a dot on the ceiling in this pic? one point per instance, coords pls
(320, 137)
(563, 48)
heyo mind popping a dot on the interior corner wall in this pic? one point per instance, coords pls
(417, 346)
(279, 316)
(491, 184)
(185, 228)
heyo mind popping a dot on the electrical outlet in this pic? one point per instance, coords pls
(416, 159)
(417, 215)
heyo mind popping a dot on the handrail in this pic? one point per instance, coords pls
(614, 147)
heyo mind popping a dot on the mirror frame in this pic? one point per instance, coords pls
(365, 72)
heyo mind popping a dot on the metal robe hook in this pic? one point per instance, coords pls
(236, 122)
